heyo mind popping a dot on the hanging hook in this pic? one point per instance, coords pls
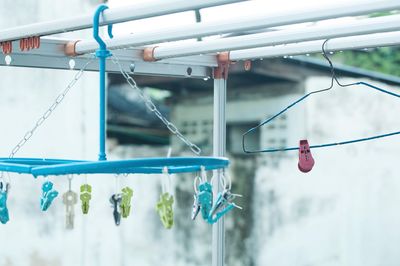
(96, 22)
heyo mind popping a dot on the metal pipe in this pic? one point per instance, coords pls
(102, 53)
(111, 16)
(219, 150)
(365, 26)
(346, 43)
(239, 24)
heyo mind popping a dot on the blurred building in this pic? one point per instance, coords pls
(290, 218)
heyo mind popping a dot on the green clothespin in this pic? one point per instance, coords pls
(85, 197)
(164, 209)
(127, 193)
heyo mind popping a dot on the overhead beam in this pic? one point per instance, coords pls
(339, 44)
(110, 16)
(361, 27)
(239, 24)
(51, 55)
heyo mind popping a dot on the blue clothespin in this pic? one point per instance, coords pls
(4, 188)
(48, 195)
(205, 199)
(222, 206)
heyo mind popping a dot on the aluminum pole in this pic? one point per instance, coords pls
(111, 16)
(239, 24)
(219, 150)
(365, 26)
(346, 43)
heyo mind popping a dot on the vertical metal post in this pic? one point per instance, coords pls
(219, 149)
(102, 125)
(102, 53)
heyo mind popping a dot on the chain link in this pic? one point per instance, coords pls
(49, 111)
(152, 108)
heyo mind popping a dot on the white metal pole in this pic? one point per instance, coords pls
(110, 16)
(239, 24)
(219, 150)
(346, 43)
(365, 26)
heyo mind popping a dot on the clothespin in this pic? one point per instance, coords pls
(164, 206)
(205, 195)
(205, 198)
(116, 201)
(126, 197)
(196, 206)
(48, 195)
(222, 206)
(70, 198)
(4, 189)
(306, 161)
(165, 210)
(85, 197)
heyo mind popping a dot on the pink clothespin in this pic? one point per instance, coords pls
(306, 161)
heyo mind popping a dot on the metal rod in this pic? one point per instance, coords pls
(239, 24)
(50, 55)
(365, 26)
(339, 44)
(219, 150)
(103, 107)
(111, 16)
(102, 53)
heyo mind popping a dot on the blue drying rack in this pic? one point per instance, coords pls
(46, 167)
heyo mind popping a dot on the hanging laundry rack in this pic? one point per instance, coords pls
(194, 60)
(45, 167)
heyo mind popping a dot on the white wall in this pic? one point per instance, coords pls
(345, 211)
(32, 237)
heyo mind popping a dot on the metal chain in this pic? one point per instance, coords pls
(152, 108)
(49, 111)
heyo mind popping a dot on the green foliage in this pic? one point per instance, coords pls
(385, 60)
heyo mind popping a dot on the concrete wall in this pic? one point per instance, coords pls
(344, 212)
(32, 237)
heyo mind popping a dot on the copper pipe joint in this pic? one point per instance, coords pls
(223, 57)
(148, 54)
(69, 48)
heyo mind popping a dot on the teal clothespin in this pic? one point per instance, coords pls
(205, 199)
(48, 195)
(126, 195)
(222, 206)
(4, 188)
(165, 210)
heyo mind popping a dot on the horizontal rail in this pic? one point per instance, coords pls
(361, 27)
(51, 55)
(110, 16)
(239, 24)
(339, 44)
